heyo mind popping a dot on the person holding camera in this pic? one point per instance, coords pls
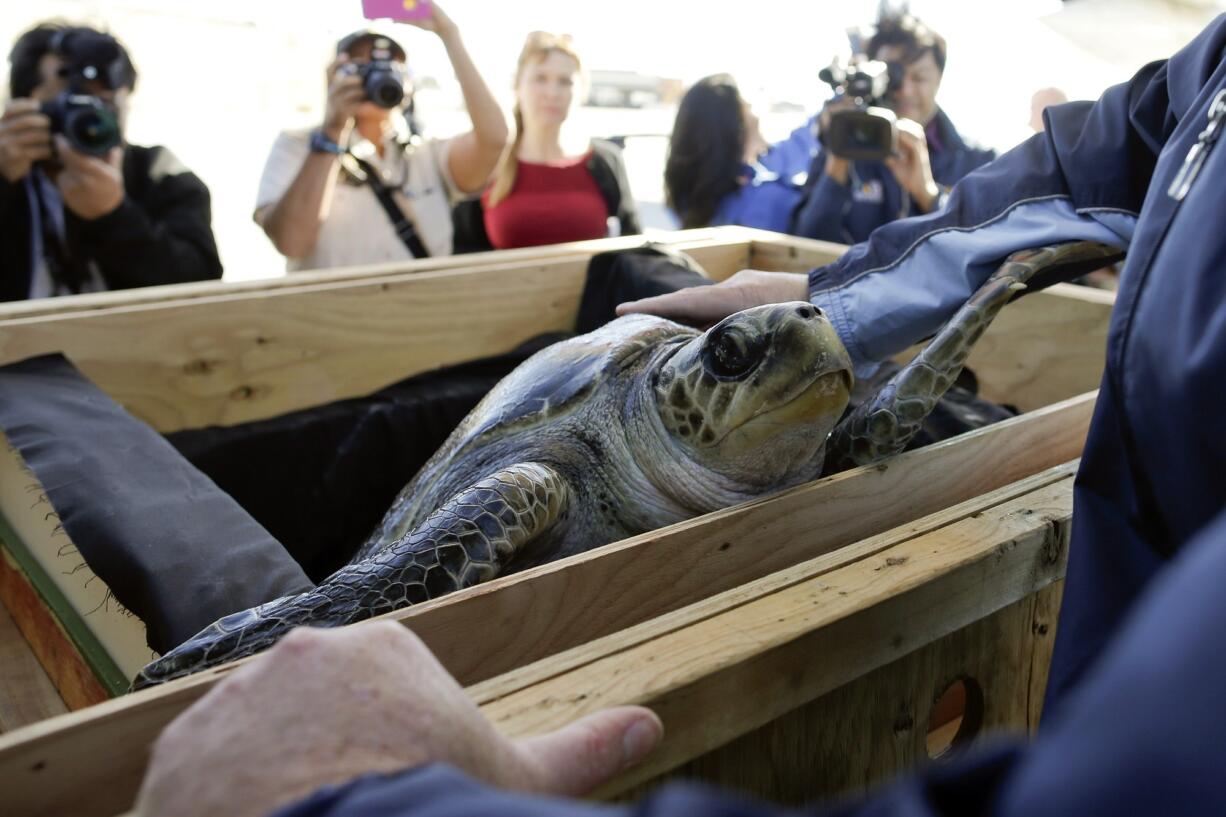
(362, 188)
(82, 209)
(912, 163)
(720, 169)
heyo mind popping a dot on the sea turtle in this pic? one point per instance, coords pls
(637, 425)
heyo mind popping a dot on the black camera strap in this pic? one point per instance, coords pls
(400, 222)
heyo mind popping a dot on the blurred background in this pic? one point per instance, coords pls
(219, 80)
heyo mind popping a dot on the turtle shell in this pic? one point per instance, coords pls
(558, 379)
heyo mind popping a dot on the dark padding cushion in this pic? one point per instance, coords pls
(173, 547)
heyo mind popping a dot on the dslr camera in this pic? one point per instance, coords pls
(86, 56)
(382, 77)
(867, 130)
(89, 124)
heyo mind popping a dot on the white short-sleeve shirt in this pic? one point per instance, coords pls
(357, 230)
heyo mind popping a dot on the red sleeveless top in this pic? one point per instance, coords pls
(549, 204)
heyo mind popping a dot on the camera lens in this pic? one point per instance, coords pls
(91, 128)
(385, 88)
(864, 135)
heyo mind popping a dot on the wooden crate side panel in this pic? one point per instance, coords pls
(874, 728)
(221, 361)
(49, 642)
(803, 642)
(26, 693)
(792, 254)
(806, 571)
(1043, 622)
(277, 281)
(1045, 347)
(192, 365)
(531, 616)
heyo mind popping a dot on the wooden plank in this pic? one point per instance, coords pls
(26, 693)
(49, 641)
(532, 615)
(1043, 626)
(874, 727)
(800, 643)
(211, 289)
(231, 358)
(517, 679)
(91, 762)
(228, 359)
(527, 617)
(792, 254)
(1045, 346)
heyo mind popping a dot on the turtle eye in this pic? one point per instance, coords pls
(731, 353)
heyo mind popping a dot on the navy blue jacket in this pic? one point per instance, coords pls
(1135, 717)
(848, 213)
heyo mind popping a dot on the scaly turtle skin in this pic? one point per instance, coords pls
(638, 425)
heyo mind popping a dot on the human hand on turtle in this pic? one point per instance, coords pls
(325, 706)
(704, 306)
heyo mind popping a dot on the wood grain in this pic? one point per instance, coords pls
(873, 728)
(26, 693)
(1045, 347)
(223, 359)
(49, 642)
(276, 280)
(804, 641)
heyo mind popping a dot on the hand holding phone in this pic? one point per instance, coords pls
(397, 9)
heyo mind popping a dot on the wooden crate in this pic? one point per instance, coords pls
(254, 353)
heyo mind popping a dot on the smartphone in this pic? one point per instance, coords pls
(396, 9)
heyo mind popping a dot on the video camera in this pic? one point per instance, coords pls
(867, 130)
(90, 124)
(382, 77)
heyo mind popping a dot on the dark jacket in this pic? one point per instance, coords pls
(1134, 718)
(608, 169)
(872, 197)
(160, 234)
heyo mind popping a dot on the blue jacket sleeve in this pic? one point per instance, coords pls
(1084, 178)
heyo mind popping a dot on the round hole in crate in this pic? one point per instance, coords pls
(956, 717)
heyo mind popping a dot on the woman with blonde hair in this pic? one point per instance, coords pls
(541, 193)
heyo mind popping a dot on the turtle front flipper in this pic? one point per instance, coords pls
(883, 425)
(466, 541)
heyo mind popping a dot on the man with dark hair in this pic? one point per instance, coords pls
(846, 200)
(82, 210)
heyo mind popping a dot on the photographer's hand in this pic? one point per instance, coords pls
(25, 138)
(473, 155)
(911, 166)
(345, 95)
(91, 187)
(438, 22)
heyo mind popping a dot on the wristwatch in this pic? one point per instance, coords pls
(322, 144)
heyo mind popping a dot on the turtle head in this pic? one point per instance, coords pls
(755, 396)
